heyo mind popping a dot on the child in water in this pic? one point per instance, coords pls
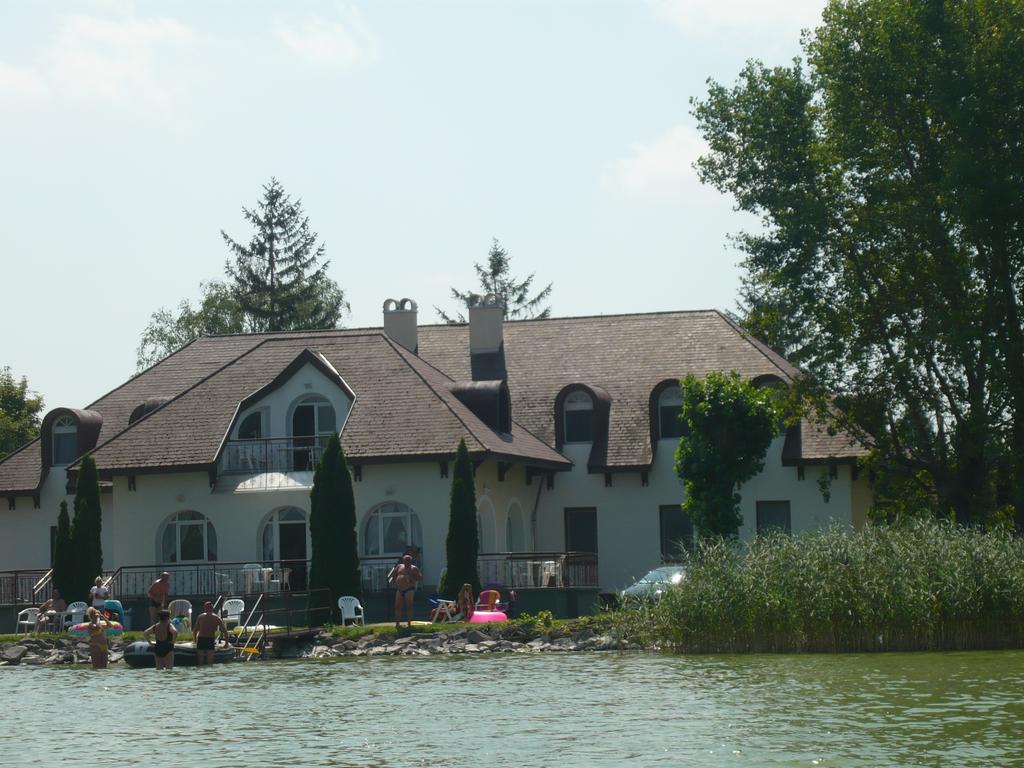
(99, 651)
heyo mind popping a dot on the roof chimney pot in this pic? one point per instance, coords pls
(485, 325)
(400, 322)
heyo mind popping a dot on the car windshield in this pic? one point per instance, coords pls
(663, 576)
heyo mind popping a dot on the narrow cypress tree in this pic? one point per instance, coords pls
(463, 543)
(87, 551)
(332, 526)
(63, 554)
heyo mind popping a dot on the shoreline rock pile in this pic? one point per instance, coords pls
(35, 651)
(464, 641)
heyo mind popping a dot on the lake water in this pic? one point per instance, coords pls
(593, 709)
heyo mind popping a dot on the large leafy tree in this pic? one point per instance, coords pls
(496, 279)
(275, 282)
(463, 543)
(86, 529)
(887, 174)
(728, 425)
(19, 412)
(332, 526)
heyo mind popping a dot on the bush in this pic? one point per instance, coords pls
(923, 585)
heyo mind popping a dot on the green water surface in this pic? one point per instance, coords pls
(596, 709)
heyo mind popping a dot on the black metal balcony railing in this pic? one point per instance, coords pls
(539, 570)
(273, 454)
(28, 587)
(215, 578)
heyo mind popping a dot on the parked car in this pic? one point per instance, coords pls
(654, 583)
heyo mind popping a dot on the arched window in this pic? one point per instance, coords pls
(670, 401)
(188, 537)
(314, 415)
(65, 440)
(251, 427)
(284, 535)
(579, 417)
(390, 529)
(515, 535)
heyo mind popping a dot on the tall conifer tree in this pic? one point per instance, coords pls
(278, 281)
(332, 526)
(63, 554)
(87, 551)
(463, 543)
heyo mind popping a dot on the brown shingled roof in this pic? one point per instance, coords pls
(405, 407)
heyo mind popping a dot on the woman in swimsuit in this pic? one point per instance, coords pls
(164, 633)
(98, 648)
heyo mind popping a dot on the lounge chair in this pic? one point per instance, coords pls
(487, 600)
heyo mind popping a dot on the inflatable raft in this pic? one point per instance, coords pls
(140, 655)
(114, 629)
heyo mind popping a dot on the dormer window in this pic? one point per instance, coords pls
(65, 441)
(251, 427)
(670, 401)
(579, 417)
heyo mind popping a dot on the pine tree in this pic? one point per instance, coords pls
(278, 281)
(463, 543)
(87, 551)
(63, 554)
(332, 526)
(496, 280)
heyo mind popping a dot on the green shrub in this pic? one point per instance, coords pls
(921, 585)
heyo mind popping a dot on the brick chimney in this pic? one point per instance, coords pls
(400, 322)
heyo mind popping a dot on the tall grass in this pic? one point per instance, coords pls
(919, 586)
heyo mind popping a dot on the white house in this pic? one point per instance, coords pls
(206, 458)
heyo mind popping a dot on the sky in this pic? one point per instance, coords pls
(132, 133)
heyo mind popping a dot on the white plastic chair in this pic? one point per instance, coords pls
(252, 574)
(77, 612)
(232, 611)
(351, 610)
(181, 609)
(27, 618)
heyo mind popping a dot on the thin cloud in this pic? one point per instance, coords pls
(721, 19)
(661, 166)
(21, 81)
(345, 41)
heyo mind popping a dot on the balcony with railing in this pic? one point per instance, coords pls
(274, 461)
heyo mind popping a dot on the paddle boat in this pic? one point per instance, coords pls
(139, 655)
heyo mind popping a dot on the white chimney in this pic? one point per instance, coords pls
(400, 322)
(485, 325)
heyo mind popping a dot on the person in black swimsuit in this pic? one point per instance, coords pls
(164, 633)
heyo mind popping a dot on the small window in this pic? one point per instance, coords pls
(65, 441)
(676, 532)
(579, 418)
(251, 427)
(773, 516)
(670, 402)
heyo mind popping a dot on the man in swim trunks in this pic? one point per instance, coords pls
(404, 576)
(157, 594)
(164, 633)
(205, 634)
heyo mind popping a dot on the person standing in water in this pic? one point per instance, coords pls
(205, 633)
(163, 633)
(99, 650)
(404, 576)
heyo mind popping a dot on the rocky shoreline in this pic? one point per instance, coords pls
(35, 651)
(464, 641)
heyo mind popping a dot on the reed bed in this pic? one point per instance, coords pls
(920, 586)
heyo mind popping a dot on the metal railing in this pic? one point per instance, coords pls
(28, 587)
(374, 572)
(538, 570)
(273, 454)
(212, 578)
(288, 613)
